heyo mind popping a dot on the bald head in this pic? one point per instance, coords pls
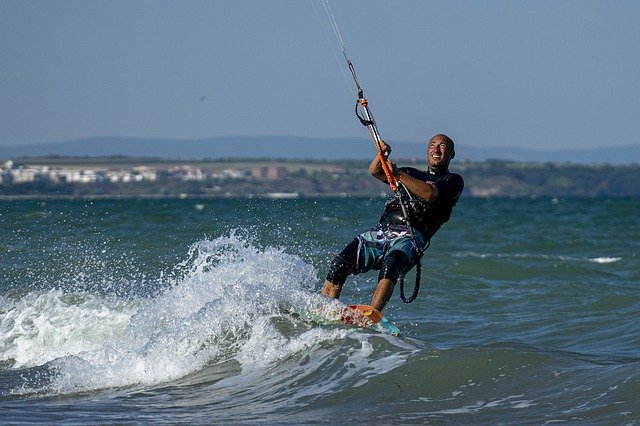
(441, 137)
(440, 151)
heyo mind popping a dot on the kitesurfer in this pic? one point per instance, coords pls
(423, 203)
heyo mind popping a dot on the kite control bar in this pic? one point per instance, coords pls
(370, 124)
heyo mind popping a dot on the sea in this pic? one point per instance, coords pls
(194, 311)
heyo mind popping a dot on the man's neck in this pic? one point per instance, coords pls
(437, 170)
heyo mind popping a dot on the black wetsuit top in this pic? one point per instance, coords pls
(426, 217)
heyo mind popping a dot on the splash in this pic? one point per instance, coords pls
(224, 295)
(41, 327)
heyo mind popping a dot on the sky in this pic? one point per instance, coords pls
(535, 74)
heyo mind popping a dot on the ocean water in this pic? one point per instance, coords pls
(193, 312)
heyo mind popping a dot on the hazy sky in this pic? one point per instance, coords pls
(489, 73)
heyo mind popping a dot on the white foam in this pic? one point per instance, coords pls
(605, 259)
(219, 307)
(41, 327)
(538, 256)
(226, 302)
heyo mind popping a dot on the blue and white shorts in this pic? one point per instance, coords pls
(377, 243)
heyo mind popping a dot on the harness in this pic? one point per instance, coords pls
(419, 251)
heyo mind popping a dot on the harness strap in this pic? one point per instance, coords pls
(416, 286)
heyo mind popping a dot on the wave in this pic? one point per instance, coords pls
(232, 301)
(601, 259)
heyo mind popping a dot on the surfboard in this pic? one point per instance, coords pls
(363, 316)
(371, 317)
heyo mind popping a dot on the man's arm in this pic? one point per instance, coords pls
(375, 168)
(426, 191)
(423, 190)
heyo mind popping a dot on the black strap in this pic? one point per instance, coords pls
(416, 286)
(363, 120)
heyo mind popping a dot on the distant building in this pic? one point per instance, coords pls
(187, 173)
(269, 172)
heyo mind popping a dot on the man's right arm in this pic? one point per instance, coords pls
(375, 168)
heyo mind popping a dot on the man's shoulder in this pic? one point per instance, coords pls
(455, 177)
(450, 185)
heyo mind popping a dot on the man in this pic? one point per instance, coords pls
(396, 244)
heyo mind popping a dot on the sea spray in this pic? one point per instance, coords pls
(226, 297)
(42, 326)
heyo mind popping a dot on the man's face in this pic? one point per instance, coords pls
(439, 153)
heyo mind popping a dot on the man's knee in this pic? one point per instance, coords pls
(339, 270)
(395, 265)
(344, 264)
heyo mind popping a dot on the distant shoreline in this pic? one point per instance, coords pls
(145, 178)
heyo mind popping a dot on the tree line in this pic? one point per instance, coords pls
(494, 178)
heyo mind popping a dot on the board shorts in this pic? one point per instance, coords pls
(391, 249)
(378, 243)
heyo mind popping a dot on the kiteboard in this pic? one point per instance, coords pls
(364, 316)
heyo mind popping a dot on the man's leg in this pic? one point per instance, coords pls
(331, 290)
(343, 265)
(395, 264)
(383, 293)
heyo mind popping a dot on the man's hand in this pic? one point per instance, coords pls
(385, 149)
(376, 166)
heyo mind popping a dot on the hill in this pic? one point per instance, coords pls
(293, 147)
